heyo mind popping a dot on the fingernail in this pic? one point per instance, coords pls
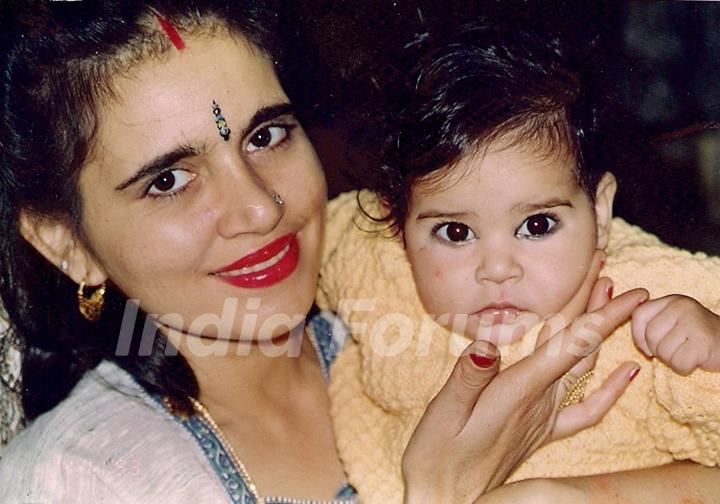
(634, 373)
(602, 263)
(482, 361)
(609, 292)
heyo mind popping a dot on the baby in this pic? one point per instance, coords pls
(496, 204)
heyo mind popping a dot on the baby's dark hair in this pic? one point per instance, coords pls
(479, 84)
(58, 62)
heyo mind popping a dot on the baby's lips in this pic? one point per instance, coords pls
(499, 315)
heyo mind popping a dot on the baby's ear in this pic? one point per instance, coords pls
(55, 241)
(604, 197)
(384, 205)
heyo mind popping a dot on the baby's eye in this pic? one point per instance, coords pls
(536, 226)
(454, 232)
(267, 137)
(170, 182)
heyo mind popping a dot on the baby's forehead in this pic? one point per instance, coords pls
(508, 157)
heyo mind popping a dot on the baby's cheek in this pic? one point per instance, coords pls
(429, 282)
(426, 266)
(558, 286)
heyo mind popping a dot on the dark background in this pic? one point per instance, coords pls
(665, 76)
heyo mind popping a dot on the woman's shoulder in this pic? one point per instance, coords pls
(107, 439)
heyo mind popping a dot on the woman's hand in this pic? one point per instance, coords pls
(480, 426)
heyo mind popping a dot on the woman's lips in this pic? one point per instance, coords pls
(264, 267)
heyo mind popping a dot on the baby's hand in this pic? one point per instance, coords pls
(678, 331)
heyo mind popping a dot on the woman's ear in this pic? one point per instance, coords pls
(604, 197)
(55, 241)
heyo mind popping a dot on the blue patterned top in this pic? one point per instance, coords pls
(329, 335)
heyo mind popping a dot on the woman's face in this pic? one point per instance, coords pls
(187, 222)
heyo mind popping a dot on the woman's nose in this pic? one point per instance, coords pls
(497, 264)
(248, 205)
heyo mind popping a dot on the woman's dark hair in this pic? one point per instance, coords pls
(58, 64)
(471, 85)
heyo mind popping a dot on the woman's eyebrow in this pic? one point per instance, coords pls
(265, 114)
(159, 165)
(165, 161)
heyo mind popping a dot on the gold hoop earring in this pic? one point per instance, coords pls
(91, 307)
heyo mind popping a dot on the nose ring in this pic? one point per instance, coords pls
(277, 199)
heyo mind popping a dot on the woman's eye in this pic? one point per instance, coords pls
(454, 232)
(170, 182)
(536, 226)
(267, 137)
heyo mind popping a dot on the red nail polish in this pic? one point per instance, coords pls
(634, 373)
(602, 263)
(609, 292)
(482, 361)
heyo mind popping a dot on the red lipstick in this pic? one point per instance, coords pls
(281, 256)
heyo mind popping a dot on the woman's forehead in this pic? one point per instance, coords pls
(162, 103)
(209, 68)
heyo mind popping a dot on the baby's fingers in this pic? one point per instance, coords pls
(593, 408)
(642, 316)
(688, 357)
(669, 345)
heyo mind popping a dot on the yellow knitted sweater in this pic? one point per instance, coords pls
(378, 399)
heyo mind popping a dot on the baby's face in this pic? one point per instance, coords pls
(503, 240)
